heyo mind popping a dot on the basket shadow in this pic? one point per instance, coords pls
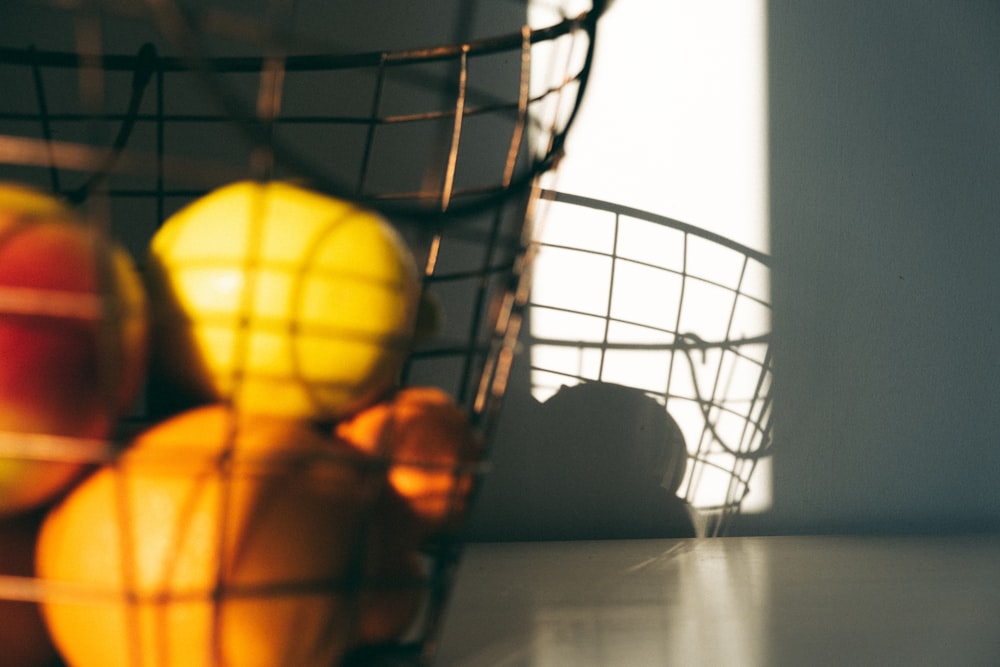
(596, 461)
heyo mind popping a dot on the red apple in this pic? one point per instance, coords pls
(73, 344)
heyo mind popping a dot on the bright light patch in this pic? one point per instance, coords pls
(674, 124)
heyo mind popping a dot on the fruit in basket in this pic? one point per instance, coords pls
(426, 438)
(223, 539)
(285, 301)
(71, 362)
(395, 580)
(24, 642)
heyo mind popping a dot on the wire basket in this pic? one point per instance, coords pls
(675, 311)
(157, 104)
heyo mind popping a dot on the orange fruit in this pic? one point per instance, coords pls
(24, 642)
(394, 576)
(217, 539)
(425, 437)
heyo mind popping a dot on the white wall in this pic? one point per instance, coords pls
(674, 124)
(884, 207)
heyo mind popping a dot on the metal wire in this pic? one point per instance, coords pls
(733, 454)
(470, 236)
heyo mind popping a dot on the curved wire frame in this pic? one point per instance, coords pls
(546, 111)
(468, 225)
(465, 222)
(712, 371)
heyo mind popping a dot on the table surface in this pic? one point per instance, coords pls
(740, 601)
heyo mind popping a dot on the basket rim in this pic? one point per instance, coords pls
(647, 216)
(301, 62)
(147, 63)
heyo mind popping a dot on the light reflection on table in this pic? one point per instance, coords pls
(728, 601)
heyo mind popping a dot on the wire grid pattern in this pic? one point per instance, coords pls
(666, 307)
(447, 141)
(169, 142)
(473, 172)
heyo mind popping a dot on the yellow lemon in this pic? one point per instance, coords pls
(283, 300)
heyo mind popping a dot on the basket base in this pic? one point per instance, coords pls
(388, 655)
